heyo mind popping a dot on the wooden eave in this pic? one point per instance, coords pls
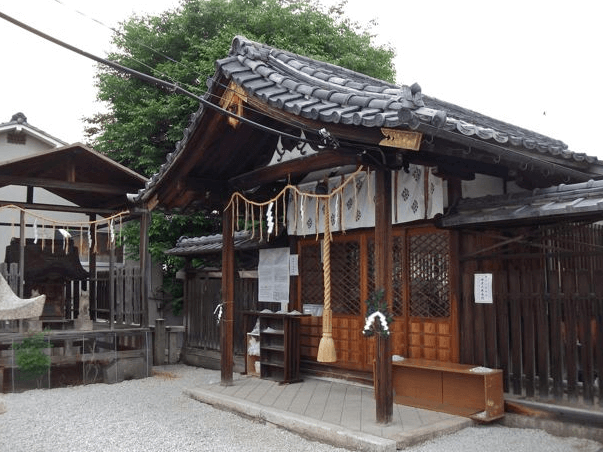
(76, 173)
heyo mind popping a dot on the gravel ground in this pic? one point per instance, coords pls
(153, 415)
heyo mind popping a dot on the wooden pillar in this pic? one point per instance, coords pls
(226, 324)
(159, 344)
(92, 269)
(145, 267)
(21, 254)
(111, 283)
(383, 280)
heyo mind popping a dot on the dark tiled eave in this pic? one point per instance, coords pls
(584, 200)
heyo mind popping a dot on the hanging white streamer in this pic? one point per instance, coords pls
(336, 210)
(112, 231)
(35, 231)
(301, 211)
(270, 218)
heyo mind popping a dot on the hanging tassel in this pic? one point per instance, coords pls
(246, 211)
(233, 219)
(301, 212)
(326, 346)
(336, 210)
(276, 217)
(43, 236)
(317, 214)
(53, 233)
(81, 246)
(252, 220)
(284, 210)
(261, 224)
(369, 187)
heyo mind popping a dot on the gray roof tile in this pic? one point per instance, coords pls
(313, 89)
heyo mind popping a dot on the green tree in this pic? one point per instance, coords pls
(144, 122)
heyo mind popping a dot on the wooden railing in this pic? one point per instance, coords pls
(127, 306)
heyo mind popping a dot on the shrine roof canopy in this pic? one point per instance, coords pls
(76, 173)
(268, 97)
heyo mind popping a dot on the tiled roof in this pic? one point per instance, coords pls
(212, 244)
(331, 94)
(569, 201)
(19, 120)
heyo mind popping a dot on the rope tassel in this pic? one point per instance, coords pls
(326, 347)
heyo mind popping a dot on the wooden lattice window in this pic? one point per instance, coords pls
(397, 275)
(310, 267)
(429, 275)
(345, 277)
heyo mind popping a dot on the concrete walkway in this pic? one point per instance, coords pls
(331, 411)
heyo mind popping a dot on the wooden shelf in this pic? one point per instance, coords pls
(279, 347)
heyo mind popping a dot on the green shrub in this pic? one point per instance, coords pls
(30, 356)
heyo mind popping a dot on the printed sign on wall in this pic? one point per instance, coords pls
(483, 288)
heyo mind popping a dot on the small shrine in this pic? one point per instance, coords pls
(47, 271)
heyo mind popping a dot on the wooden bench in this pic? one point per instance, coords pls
(449, 387)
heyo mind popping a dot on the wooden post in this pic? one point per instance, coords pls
(226, 323)
(159, 344)
(21, 253)
(111, 283)
(145, 267)
(92, 269)
(383, 279)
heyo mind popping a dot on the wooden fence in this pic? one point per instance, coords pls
(203, 296)
(545, 325)
(127, 305)
(127, 308)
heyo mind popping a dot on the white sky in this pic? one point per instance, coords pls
(533, 63)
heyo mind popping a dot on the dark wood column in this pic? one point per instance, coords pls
(145, 266)
(226, 323)
(383, 280)
(92, 269)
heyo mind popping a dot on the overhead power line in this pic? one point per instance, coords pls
(155, 81)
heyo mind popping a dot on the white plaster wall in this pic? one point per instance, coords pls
(482, 185)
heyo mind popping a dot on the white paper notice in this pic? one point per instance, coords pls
(293, 266)
(273, 275)
(483, 287)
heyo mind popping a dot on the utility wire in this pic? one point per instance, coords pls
(247, 108)
(156, 81)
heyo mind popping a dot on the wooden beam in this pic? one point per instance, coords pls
(226, 324)
(293, 168)
(58, 208)
(88, 187)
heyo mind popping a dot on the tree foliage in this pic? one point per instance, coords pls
(144, 122)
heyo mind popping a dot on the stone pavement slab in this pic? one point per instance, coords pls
(332, 411)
